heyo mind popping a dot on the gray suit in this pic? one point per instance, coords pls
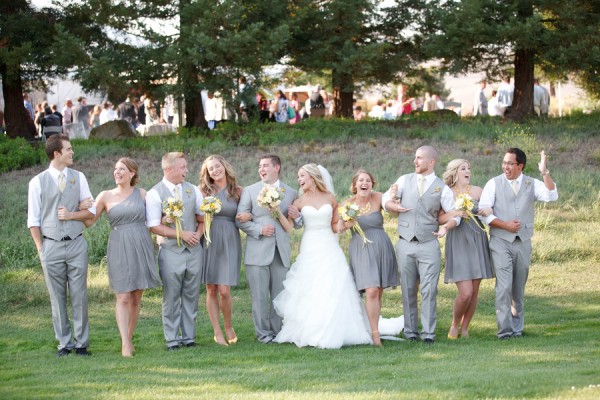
(180, 269)
(511, 253)
(267, 259)
(419, 255)
(64, 257)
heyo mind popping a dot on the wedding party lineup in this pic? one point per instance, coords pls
(186, 232)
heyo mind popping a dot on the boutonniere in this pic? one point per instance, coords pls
(72, 181)
(437, 189)
(527, 182)
(188, 191)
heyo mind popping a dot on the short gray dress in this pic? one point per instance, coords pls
(467, 252)
(374, 264)
(223, 258)
(130, 253)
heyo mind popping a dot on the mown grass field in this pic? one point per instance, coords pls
(558, 357)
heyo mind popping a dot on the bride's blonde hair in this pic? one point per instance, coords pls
(313, 171)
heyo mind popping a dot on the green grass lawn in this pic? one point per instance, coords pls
(558, 356)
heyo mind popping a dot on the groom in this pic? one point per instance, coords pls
(267, 255)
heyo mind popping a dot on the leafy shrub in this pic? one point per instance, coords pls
(18, 154)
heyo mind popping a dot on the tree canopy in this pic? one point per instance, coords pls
(160, 47)
(497, 37)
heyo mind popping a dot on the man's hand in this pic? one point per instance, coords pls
(191, 238)
(513, 226)
(268, 230)
(542, 164)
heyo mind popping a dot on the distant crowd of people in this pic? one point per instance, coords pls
(502, 98)
(143, 112)
(138, 112)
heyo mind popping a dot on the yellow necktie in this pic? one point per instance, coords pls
(421, 185)
(62, 182)
(514, 186)
(177, 192)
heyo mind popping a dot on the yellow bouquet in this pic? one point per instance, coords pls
(350, 212)
(210, 206)
(173, 210)
(270, 198)
(464, 203)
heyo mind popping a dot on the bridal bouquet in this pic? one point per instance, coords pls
(464, 203)
(350, 212)
(270, 198)
(173, 210)
(210, 206)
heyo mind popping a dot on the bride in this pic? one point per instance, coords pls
(319, 304)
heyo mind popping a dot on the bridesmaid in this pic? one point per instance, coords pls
(222, 259)
(467, 253)
(130, 253)
(373, 265)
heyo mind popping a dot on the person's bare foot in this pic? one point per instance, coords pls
(464, 333)
(376, 339)
(127, 350)
(453, 333)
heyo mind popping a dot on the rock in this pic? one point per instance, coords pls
(118, 129)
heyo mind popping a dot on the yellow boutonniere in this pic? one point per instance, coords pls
(188, 191)
(437, 189)
(72, 181)
(527, 182)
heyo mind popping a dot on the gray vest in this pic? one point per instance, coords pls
(422, 220)
(52, 198)
(508, 206)
(188, 221)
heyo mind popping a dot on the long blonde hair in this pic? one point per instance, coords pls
(313, 171)
(207, 184)
(450, 174)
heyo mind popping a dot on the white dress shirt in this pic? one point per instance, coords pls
(541, 192)
(154, 204)
(34, 196)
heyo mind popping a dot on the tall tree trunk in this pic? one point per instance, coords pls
(188, 76)
(17, 120)
(194, 111)
(342, 94)
(522, 105)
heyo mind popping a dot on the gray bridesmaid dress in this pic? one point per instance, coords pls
(223, 258)
(130, 253)
(374, 264)
(467, 252)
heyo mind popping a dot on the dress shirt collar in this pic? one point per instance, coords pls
(276, 184)
(56, 173)
(428, 178)
(170, 185)
(519, 180)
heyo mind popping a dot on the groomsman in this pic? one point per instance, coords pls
(180, 266)
(54, 221)
(512, 197)
(417, 198)
(267, 254)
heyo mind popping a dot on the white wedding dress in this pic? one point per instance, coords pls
(320, 304)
